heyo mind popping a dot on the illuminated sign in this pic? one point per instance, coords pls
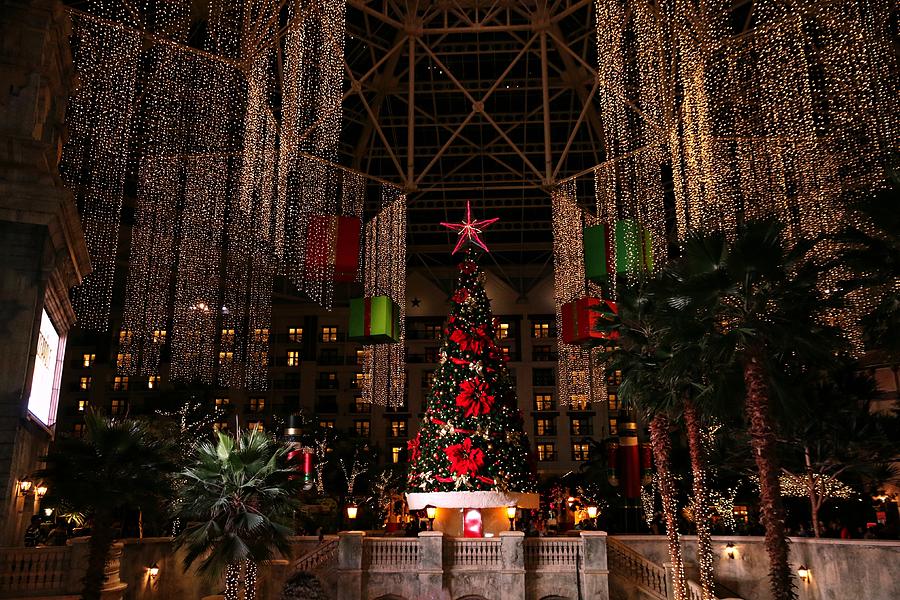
(45, 377)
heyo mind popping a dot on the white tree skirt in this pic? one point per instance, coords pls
(418, 501)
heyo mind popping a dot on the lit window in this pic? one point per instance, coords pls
(578, 402)
(329, 334)
(613, 402)
(120, 384)
(361, 357)
(326, 423)
(153, 382)
(540, 329)
(257, 404)
(159, 336)
(226, 357)
(125, 336)
(87, 360)
(295, 334)
(361, 380)
(293, 358)
(256, 426)
(546, 451)
(261, 335)
(398, 427)
(78, 430)
(82, 405)
(220, 426)
(741, 513)
(505, 351)
(259, 357)
(582, 426)
(222, 402)
(228, 336)
(613, 426)
(543, 402)
(123, 360)
(360, 405)
(503, 331)
(362, 428)
(544, 427)
(327, 380)
(580, 451)
(396, 454)
(117, 407)
(85, 383)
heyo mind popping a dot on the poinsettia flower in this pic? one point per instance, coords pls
(475, 397)
(466, 342)
(458, 361)
(461, 295)
(464, 458)
(468, 267)
(413, 447)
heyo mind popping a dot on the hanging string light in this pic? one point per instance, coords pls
(384, 365)
(95, 157)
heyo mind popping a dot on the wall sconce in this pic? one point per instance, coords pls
(48, 511)
(153, 570)
(592, 512)
(431, 513)
(352, 511)
(803, 573)
(41, 491)
(730, 550)
(24, 486)
(511, 515)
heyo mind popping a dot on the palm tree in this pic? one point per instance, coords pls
(760, 303)
(640, 356)
(119, 464)
(234, 493)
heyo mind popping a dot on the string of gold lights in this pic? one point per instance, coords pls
(384, 365)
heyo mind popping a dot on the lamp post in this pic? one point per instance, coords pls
(730, 550)
(511, 515)
(352, 511)
(803, 573)
(431, 513)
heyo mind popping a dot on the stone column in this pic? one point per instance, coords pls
(350, 565)
(512, 574)
(595, 569)
(41, 242)
(431, 564)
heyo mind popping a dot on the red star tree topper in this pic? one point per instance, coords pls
(469, 230)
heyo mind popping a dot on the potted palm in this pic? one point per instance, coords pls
(234, 497)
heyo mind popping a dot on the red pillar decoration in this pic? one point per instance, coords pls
(629, 460)
(298, 454)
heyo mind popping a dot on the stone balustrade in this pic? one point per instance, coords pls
(502, 568)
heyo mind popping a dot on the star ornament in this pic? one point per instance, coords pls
(469, 230)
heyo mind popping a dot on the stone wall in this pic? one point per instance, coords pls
(839, 569)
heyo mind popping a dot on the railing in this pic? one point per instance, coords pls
(324, 554)
(474, 553)
(552, 554)
(391, 554)
(34, 571)
(635, 569)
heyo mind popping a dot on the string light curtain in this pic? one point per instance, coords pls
(384, 365)
(581, 377)
(95, 158)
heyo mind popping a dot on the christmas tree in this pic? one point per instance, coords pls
(471, 451)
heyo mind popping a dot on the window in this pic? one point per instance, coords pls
(261, 335)
(326, 404)
(85, 383)
(259, 357)
(741, 513)
(123, 360)
(256, 426)
(326, 423)
(118, 407)
(327, 380)
(545, 426)
(223, 402)
(431, 354)
(87, 360)
(361, 406)
(433, 332)
(396, 454)
(581, 426)
(125, 336)
(427, 379)
(329, 333)
(543, 377)
(120, 384)
(543, 402)
(361, 428)
(78, 430)
(540, 329)
(546, 451)
(542, 353)
(295, 334)
(220, 426)
(361, 357)
(613, 402)
(153, 382)
(293, 358)
(578, 402)
(398, 427)
(361, 380)
(257, 405)
(159, 336)
(503, 331)
(226, 357)
(580, 451)
(614, 378)
(505, 351)
(613, 426)
(82, 405)
(228, 336)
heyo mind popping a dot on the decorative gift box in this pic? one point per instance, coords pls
(332, 240)
(584, 321)
(374, 320)
(622, 248)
